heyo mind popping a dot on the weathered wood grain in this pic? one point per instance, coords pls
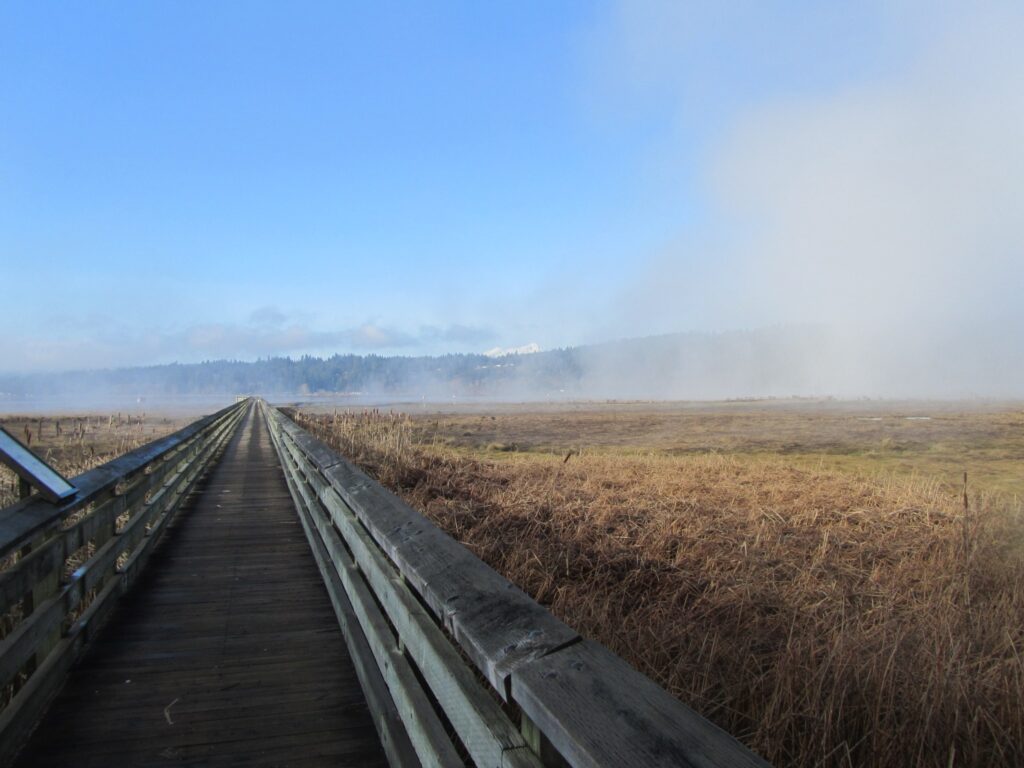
(231, 620)
(382, 683)
(265, 687)
(497, 624)
(26, 519)
(486, 731)
(598, 711)
(581, 705)
(482, 727)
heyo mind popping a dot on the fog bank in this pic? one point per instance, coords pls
(799, 361)
(888, 212)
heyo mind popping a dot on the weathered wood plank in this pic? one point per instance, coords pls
(390, 724)
(21, 714)
(580, 702)
(21, 521)
(20, 646)
(598, 711)
(17, 581)
(482, 726)
(95, 570)
(46, 559)
(321, 455)
(38, 635)
(497, 624)
(249, 694)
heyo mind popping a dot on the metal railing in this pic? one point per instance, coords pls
(457, 663)
(64, 565)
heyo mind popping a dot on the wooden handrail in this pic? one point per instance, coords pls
(48, 614)
(21, 522)
(445, 645)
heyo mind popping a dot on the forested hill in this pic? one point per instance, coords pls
(678, 365)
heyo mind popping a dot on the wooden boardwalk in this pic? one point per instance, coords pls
(227, 652)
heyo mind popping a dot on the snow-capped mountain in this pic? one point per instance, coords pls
(525, 349)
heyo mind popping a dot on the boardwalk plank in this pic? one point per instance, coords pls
(231, 622)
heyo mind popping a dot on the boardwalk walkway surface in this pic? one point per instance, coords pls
(227, 652)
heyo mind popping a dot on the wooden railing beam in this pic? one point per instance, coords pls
(568, 700)
(148, 485)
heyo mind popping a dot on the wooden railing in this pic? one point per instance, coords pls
(63, 566)
(457, 663)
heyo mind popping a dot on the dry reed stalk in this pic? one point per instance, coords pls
(83, 447)
(823, 618)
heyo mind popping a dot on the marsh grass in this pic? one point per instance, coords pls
(825, 618)
(76, 444)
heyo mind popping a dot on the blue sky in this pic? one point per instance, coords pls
(186, 180)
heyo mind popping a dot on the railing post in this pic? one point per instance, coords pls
(539, 744)
(438, 620)
(46, 588)
(57, 617)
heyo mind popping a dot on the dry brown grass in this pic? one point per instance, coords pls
(824, 618)
(73, 444)
(939, 440)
